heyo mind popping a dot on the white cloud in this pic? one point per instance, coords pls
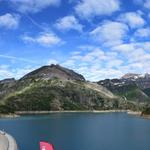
(91, 8)
(136, 55)
(133, 19)
(44, 39)
(93, 55)
(111, 33)
(129, 47)
(125, 48)
(95, 64)
(33, 6)
(68, 23)
(114, 63)
(143, 32)
(10, 21)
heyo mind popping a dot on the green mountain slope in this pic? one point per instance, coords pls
(56, 88)
(58, 94)
(126, 89)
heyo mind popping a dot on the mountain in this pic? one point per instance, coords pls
(57, 88)
(131, 76)
(133, 87)
(142, 81)
(49, 72)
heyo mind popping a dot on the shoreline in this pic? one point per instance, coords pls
(138, 114)
(9, 115)
(65, 111)
(135, 113)
(21, 113)
(145, 116)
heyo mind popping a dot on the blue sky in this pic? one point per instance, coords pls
(97, 38)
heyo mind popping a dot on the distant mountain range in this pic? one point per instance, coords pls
(133, 87)
(57, 88)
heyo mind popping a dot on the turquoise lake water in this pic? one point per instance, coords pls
(80, 131)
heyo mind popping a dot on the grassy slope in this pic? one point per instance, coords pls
(59, 94)
(131, 93)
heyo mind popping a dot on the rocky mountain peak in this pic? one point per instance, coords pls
(48, 72)
(135, 76)
(130, 76)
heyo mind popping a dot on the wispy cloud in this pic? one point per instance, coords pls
(36, 24)
(17, 58)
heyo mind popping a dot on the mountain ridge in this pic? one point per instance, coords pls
(48, 72)
(130, 85)
(57, 88)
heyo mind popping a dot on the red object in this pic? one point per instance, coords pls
(46, 146)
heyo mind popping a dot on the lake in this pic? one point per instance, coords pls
(80, 131)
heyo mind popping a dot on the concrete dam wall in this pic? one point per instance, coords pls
(7, 142)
